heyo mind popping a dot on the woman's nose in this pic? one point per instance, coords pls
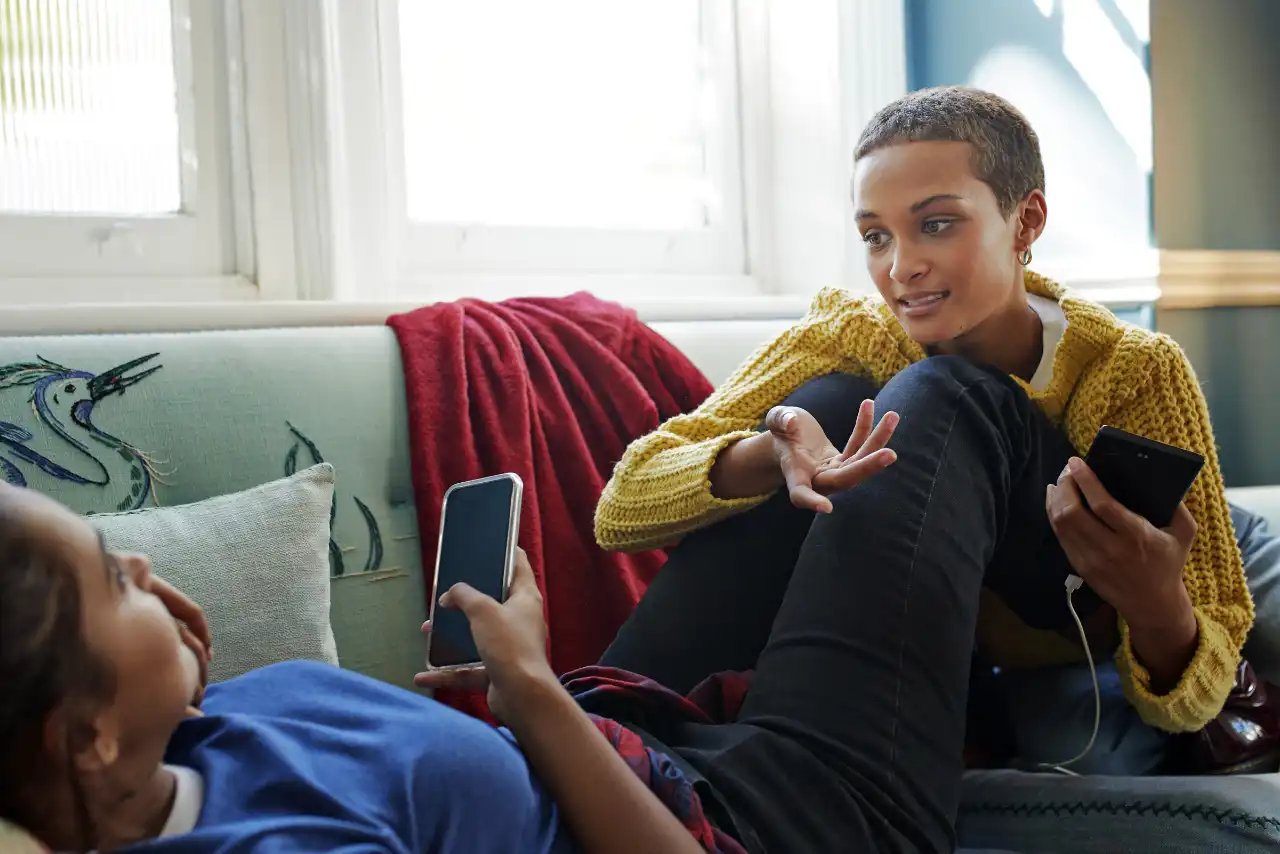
(908, 265)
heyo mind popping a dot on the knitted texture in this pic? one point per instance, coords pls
(1104, 372)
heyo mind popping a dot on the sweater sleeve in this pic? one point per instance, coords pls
(1170, 408)
(661, 488)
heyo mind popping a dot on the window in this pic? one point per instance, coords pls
(112, 141)
(207, 150)
(564, 136)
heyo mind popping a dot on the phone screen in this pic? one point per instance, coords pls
(474, 547)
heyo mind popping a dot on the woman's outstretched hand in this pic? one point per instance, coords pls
(511, 637)
(813, 467)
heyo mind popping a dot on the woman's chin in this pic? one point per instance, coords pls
(928, 331)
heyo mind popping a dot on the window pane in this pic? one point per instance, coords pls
(88, 107)
(564, 113)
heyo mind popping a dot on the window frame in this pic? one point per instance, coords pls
(206, 245)
(423, 250)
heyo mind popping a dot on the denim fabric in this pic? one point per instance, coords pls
(859, 624)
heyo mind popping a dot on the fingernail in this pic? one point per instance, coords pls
(787, 418)
(1074, 464)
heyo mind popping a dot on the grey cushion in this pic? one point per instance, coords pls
(256, 561)
(1261, 552)
(1049, 813)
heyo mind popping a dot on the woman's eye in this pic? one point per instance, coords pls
(937, 226)
(874, 238)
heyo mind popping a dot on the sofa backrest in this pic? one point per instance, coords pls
(221, 413)
(223, 410)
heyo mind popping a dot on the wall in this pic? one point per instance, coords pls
(1215, 72)
(1236, 354)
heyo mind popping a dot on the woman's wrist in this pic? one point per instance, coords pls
(1164, 639)
(747, 468)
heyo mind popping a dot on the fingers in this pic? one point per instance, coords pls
(1183, 527)
(523, 581)
(181, 608)
(806, 497)
(1112, 513)
(467, 679)
(861, 428)
(1069, 516)
(852, 472)
(879, 437)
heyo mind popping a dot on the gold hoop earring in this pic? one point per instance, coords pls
(1025, 258)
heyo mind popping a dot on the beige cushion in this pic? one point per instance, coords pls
(256, 561)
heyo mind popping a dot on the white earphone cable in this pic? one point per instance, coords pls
(1074, 583)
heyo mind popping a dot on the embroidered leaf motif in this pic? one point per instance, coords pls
(375, 537)
(373, 560)
(335, 557)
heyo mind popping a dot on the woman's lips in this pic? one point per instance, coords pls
(922, 303)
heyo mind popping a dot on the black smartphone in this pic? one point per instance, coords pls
(479, 527)
(1148, 477)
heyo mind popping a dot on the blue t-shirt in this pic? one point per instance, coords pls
(304, 757)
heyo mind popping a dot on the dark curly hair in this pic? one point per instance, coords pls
(45, 662)
(1006, 150)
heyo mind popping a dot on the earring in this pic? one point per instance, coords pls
(1025, 258)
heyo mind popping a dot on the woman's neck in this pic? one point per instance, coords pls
(1012, 340)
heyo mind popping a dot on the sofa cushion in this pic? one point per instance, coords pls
(256, 561)
(1260, 549)
(1049, 813)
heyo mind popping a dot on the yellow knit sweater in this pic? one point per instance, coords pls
(1104, 372)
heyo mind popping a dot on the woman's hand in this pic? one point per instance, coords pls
(192, 626)
(512, 640)
(813, 467)
(1134, 566)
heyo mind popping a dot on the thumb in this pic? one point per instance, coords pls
(463, 597)
(782, 421)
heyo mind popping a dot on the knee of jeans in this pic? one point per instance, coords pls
(833, 400)
(987, 391)
(948, 372)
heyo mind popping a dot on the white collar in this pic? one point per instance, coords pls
(188, 798)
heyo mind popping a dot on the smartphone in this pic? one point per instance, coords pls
(479, 527)
(1148, 477)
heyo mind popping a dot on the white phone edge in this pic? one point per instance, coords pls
(513, 539)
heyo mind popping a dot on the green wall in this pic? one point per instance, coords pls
(1236, 353)
(1215, 79)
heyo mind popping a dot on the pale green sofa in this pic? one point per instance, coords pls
(224, 409)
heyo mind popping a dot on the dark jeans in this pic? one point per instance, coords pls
(860, 624)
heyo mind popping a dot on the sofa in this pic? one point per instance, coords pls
(214, 413)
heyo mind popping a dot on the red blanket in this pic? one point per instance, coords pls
(553, 390)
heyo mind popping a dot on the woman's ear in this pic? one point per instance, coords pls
(1032, 213)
